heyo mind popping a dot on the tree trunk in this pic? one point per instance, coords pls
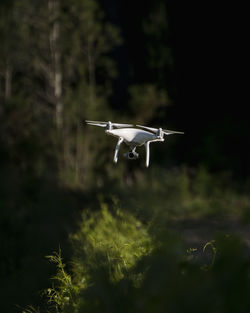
(8, 80)
(56, 60)
(91, 69)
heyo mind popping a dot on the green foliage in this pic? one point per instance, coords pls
(106, 248)
(155, 279)
(214, 251)
(185, 193)
(156, 28)
(88, 72)
(115, 241)
(62, 296)
(119, 264)
(170, 279)
(31, 309)
(145, 101)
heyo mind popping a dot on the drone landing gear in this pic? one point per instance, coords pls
(120, 140)
(147, 153)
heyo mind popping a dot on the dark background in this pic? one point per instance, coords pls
(209, 84)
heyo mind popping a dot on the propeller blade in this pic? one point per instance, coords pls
(105, 124)
(100, 122)
(122, 125)
(165, 131)
(154, 130)
(170, 132)
(95, 124)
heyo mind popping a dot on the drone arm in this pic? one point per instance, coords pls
(120, 140)
(147, 153)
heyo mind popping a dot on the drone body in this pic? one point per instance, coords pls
(133, 137)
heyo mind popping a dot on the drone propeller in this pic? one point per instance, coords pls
(109, 125)
(158, 130)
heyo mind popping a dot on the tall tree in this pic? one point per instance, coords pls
(55, 50)
(159, 54)
(87, 81)
(8, 38)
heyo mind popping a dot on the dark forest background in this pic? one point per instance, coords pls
(181, 66)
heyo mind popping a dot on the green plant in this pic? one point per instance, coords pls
(63, 293)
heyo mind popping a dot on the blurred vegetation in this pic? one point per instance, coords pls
(120, 264)
(125, 238)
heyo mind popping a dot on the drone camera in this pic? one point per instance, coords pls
(131, 155)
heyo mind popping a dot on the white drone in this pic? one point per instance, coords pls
(133, 137)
